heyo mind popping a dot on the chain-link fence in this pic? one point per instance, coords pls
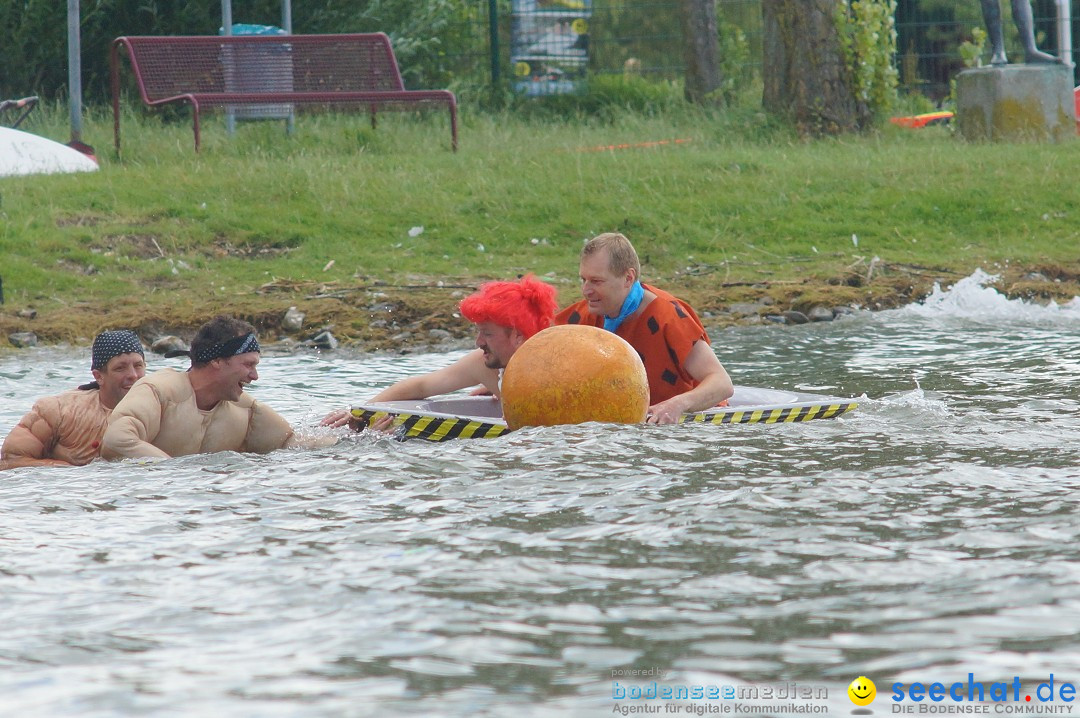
(466, 45)
(643, 37)
(637, 37)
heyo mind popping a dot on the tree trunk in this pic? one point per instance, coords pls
(803, 69)
(700, 49)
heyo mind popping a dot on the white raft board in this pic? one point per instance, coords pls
(475, 417)
(22, 153)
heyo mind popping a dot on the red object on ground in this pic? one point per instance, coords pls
(1076, 101)
(923, 120)
(84, 148)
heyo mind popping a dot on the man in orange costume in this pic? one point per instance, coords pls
(66, 429)
(505, 315)
(684, 373)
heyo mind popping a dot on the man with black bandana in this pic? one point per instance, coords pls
(66, 430)
(203, 410)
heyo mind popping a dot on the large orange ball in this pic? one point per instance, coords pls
(571, 374)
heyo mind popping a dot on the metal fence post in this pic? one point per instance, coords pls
(493, 43)
(74, 71)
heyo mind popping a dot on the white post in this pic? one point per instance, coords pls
(1064, 32)
(226, 26)
(74, 71)
(286, 25)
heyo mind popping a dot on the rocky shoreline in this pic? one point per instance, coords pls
(403, 319)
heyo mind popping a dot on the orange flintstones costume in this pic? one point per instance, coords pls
(66, 428)
(159, 418)
(663, 335)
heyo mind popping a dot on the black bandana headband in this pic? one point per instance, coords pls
(114, 343)
(228, 348)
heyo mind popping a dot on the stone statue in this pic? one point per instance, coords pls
(1025, 23)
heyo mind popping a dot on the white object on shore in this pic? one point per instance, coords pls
(22, 153)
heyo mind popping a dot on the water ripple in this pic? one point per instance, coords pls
(928, 534)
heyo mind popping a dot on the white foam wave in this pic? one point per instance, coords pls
(971, 298)
(916, 401)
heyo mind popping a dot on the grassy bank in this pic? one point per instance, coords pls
(162, 238)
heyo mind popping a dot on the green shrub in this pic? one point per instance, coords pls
(867, 31)
(736, 69)
(606, 96)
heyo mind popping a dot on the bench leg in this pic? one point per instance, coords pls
(195, 123)
(116, 124)
(114, 83)
(453, 127)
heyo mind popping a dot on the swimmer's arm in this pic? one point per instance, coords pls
(462, 374)
(30, 442)
(296, 441)
(465, 372)
(269, 430)
(714, 386)
(133, 425)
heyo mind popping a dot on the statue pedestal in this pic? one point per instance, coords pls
(1016, 102)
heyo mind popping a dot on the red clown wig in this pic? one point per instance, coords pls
(527, 305)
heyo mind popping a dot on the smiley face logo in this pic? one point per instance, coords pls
(862, 691)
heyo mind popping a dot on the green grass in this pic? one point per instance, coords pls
(741, 193)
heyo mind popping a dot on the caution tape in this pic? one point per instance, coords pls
(769, 416)
(434, 428)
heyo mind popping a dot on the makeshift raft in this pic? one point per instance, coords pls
(480, 417)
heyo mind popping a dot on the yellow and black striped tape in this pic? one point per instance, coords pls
(769, 416)
(418, 426)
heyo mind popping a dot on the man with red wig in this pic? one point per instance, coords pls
(505, 315)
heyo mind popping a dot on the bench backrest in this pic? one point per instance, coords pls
(170, 66)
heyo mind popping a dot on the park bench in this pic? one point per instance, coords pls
(253, 75)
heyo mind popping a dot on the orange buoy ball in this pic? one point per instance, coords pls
(571, 374)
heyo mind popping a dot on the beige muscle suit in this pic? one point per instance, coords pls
(160, 417)
(204, 409)
(66, 429)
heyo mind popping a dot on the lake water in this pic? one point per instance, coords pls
(930, 534)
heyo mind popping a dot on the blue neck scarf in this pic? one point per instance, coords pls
(629, 306)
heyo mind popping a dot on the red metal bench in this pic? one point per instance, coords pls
(255, 74)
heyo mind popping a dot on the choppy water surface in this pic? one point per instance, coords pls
(930, 534)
